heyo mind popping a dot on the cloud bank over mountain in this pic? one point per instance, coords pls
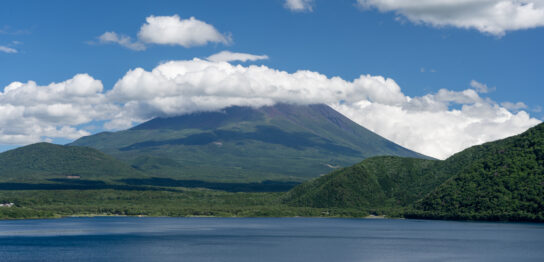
(437, 124)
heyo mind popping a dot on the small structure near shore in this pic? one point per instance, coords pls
(73, 177)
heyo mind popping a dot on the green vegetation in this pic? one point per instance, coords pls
(244, 144)
(187, 202)
(501, 180)
(373, 183)
(505, 183)
(42, 161)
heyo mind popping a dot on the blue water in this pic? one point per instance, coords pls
(267, 239)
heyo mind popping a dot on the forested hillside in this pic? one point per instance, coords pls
(501, 180)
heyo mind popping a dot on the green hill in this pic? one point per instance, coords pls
(375, 182)
(504, 183)
(501, 180)
(280, 142)
(44, 161)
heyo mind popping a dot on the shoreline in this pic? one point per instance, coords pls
(369, 217)
(197, 216)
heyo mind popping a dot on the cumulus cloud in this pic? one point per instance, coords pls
(227, 56)
(433, 128)
(169, 30)
(186, 86)
(429, 124)
(30, 112)
(495, 17)
(299, 5)
(123, 40)
(437, 124)
(8, 50)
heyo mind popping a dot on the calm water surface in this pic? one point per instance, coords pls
(267, 239)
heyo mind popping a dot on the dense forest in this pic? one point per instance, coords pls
(505, 183)
(501, 180)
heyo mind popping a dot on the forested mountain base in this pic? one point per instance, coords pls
(501, 180)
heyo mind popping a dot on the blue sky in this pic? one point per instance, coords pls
(55, 40)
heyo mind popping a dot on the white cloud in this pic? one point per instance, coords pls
(169, 30)
(495, 17)
(31, 113)
(481, 88)
(427, 124)
(437, 124)
(123, 40)
(186, 86)
(299, 5)
(8, 50)
(227, 56)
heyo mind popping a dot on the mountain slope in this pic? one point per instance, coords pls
(501, 180)
(43, 161)
(283, 141)
(505, 183)
(373, 183)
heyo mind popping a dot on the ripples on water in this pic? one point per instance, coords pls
(267, 239)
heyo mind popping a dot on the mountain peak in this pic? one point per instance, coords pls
(203, 119)
(284, 141)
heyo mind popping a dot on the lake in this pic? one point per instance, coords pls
(267, 239)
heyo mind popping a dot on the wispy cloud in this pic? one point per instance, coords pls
(8, 30)
(227, 56)
(299, 5)
(8, 50)
(123, 40)
(481, 87)
(514, 106)
(424, 70)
